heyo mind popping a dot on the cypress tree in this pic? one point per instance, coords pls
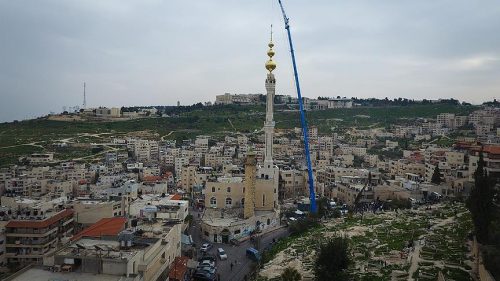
(480, 202)
(436, 176)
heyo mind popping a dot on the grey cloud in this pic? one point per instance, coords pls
(158, 52)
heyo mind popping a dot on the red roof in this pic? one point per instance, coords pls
(152, 178)
(41, 223)
(493, 149)
(490, 149)
(178, 269)
(106, 226)
(176, 197)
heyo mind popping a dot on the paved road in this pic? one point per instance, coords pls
(236, 254)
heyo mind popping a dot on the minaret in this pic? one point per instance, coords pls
(249, 207)
(269, 123)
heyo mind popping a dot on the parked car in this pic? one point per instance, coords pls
(222, 255)
(205, 247)
(235, 242)
(208, 269)
(204, 263)
(204, 276)
(208, 257)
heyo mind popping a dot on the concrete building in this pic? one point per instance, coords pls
(491, 156)
(90, 211)
(146, 151)
(110, 251)
(339, 103)
(228, 98)
(201, 143)
(188, 178)
(350, 186)
(293, 184)
(31, 237)
(40, 158)
(105, 112)
(446, 120)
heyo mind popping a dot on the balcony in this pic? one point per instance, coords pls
(31, 244)
(21, 232)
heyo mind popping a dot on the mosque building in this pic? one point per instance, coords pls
(239, 205)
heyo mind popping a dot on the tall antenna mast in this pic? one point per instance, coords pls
(84, 97)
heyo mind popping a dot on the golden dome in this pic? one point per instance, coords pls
(270, 65)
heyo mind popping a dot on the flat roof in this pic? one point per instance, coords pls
(41, 223)
(45, 275)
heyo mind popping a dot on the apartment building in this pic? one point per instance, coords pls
(188, 178)
(146, 150)
(293, 184)
(33, 235)
(90, 211)
(491, 156)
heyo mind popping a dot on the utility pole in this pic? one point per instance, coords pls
(84, 97)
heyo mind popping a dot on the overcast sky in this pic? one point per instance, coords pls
(158, 52)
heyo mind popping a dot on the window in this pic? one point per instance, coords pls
(206, 233)
(228, 189)
(229, 202)
(213, 189)
(213, 201)
(242, 201)
(268, 221)
(237, 231)
(263, 200)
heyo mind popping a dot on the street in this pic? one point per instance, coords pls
(242, 265)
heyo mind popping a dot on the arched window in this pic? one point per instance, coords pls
(228, 189)
(213, 189)
(213, 201)
(229, 202)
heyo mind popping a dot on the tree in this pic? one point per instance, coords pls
(480, 202)
(332, 260)
(290, 274)
(436, 176)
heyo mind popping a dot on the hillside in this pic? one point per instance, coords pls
(19, 138)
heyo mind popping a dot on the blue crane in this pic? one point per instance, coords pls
(312, 195)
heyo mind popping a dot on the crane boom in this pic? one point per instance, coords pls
(312, 195)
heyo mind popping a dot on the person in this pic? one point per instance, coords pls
(232, 266)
